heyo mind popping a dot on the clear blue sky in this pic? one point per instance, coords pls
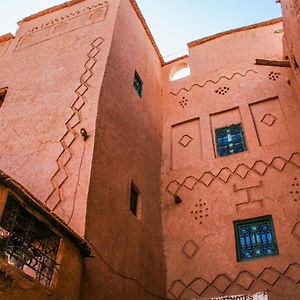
(173, 23)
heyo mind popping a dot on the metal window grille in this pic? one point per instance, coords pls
(134, 194)
(27, 243)
(230, 140)
(255, 238)
(138, 84)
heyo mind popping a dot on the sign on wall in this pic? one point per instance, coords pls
(256, 296)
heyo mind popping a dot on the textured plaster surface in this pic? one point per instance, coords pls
(73, 68)
(53, 70)
(226, 87)
(127, 149)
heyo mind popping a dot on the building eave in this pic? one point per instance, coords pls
(41, 208)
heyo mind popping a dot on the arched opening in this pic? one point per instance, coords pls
(180, 71)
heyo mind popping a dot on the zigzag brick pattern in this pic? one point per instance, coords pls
(244, 280)
(242, 170)
(212, 81)
(61, 174)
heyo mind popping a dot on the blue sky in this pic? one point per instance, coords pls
(173, 23)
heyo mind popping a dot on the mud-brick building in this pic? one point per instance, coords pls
(119, 182)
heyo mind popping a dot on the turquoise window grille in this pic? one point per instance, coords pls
(255, 238)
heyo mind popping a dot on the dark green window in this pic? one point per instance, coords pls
(134, 194)
(230, 140)
(255, 238)
(138, 83)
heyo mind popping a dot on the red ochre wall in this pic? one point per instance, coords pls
(53, 70)
(291, 40)
(226, 87)
(73, 68)
(127, 149)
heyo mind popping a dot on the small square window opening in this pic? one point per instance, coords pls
(138, 83)
(230, 140)
(255, 238)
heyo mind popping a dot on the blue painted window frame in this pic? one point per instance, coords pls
(255, 238)
(230, 140)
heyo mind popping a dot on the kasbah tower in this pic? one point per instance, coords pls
(118, 182)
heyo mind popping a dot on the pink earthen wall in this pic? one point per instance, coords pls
(128, 263)
(73, 68)
(53, 69)
(291, 40)
(226, 87)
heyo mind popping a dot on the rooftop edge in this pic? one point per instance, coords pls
(6, 37)
(50, 10)
(223, 33)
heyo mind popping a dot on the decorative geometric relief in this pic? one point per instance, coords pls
(199, 285)
(190, 182)
(278, 163)
(66, 23)
(245, 280)
(270, 276)
(200, 211)
(60, 28)
(268, 119)
(185, 140)
(295, 190)
(250, 201)
(224, 175)
(259, 167)
(98, 15)
(207, 178)
(61, 175)
(183, 103)
(190, 249)
(293, 273)
(296, 231)
(295, 159)
(201, 85)
(274, 75)
(177, 288)
(242, 171)
(270, 123)
(222, 283)
(222, 90)
(187, 135)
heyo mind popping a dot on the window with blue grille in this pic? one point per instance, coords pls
(230, 140)
(138, 83)
(255, 238)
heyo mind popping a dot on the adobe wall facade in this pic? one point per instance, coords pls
(53, 69)
(291, 39)
(226, 87)
(127, 150)
(73, 68)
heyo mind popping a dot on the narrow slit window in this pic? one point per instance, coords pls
(2, 96)
(134, 195)
(138, 83)
(230, 140)
(255, 238)
(27, 243)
